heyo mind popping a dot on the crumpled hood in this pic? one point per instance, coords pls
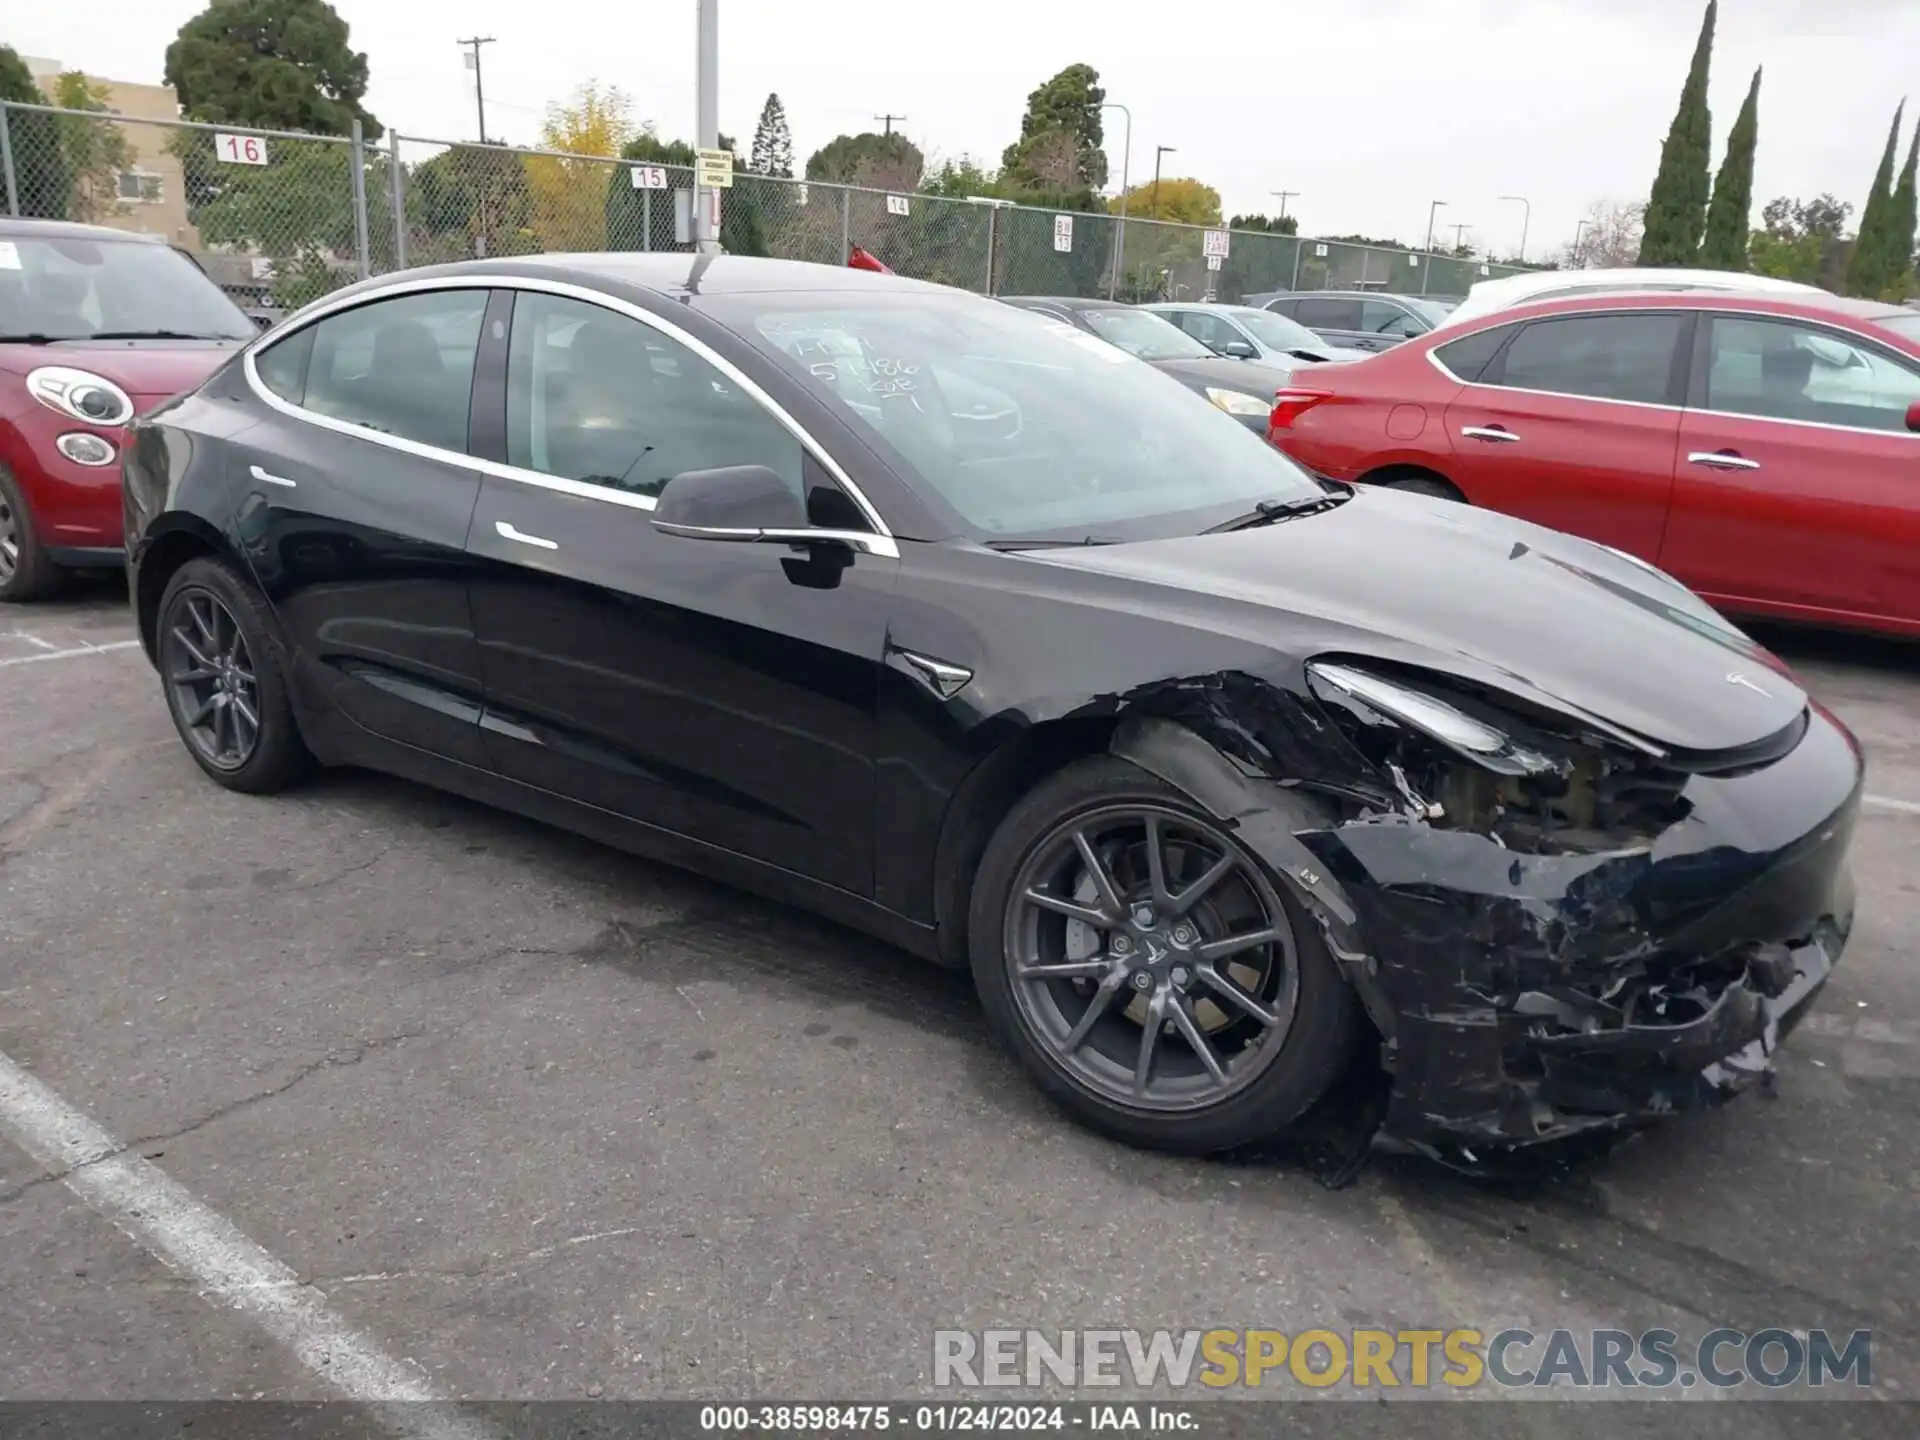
(1538, 614)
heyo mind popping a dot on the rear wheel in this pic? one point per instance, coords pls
(25, 571)
(1147, 968)
(223, 667)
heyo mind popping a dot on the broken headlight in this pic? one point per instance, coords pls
(1458, 731)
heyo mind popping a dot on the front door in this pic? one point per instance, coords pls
(357, 490)
(1573, 425)
(1798, 488)
(725, 692)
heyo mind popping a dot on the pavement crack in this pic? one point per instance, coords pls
(338, 875)
(491, 1266)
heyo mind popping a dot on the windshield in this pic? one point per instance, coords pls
(1017, 425)
(1432, 311)
(1277, 332)
(1146, 335)
(74, 289)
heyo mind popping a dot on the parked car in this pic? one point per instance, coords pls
(1360, 319)
(1762, 448)
(1244, 389)
(95, 326)
(1245, 332)
(1490, 296)
(1208, 771)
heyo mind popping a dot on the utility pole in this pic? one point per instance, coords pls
(1285, 195)
(1459, 236)
(888, 119)
(707, 124)
(472, 46)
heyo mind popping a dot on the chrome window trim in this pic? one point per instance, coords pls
(1839, 331)
(881, 542)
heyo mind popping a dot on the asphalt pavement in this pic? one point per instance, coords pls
(366, 1076)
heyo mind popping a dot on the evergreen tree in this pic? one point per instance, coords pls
(1903, 217)
(772, 142)
(1061, 136)
(277, 64)
(1677, 209)
(1730, 216)
(1868, 271)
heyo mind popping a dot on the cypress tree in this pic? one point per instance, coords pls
(1903, 215)
(1866, 270)
(1677, 209)
(1731, 213)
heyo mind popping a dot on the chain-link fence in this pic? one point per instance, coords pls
(278, 218)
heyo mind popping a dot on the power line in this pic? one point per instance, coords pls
(472, 45)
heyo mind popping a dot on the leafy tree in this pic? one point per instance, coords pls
(96, 151)
(569, 197)
(1901, 222)
(469, 201)
(960, 180)
(1730, 214)
(1869, 270)
(772, 142)
(1611, 239)
(882, 162)
(1802, 240)
(41, 180)
(270, 64)
(1187, 201)
(1061, 137)
(1280, 225)
(1677, 211)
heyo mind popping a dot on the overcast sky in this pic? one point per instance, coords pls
(1370, 109)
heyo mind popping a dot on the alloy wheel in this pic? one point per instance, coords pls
(210, 680)
(1151, 958)
(9, 541)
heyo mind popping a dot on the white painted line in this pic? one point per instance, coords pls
(74, 653)
(1887, 802)
(159, 1215)
(30, 639)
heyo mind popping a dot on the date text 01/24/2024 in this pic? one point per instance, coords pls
(945, 1419)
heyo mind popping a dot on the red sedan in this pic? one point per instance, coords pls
(1764, 451)
(96, 326)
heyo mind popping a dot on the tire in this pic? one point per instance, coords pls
(25, 571)
(278, 756)
(1419, 485)
(1280, 1072)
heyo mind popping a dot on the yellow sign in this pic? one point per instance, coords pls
(714, 168)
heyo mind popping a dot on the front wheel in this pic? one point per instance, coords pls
(25, 571)
(1147, 968)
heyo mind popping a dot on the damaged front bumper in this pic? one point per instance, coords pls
(1527, 998)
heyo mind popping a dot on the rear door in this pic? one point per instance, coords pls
(1798, 488)
(1574, 425)
(357, 492)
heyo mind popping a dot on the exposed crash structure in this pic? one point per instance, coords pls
(1557, 926)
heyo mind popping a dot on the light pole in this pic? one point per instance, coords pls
(1579, 254)
(1432, 211)
(1120, 231)
(1158, 151)
(707, 119)
(1526, 219)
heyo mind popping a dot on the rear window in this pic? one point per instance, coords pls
(1470, 355)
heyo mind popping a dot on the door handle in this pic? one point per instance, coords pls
(520, 537)
(269, 478)
(1490, 432)
(1722, 460)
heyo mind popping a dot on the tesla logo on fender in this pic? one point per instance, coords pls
(1734, 677)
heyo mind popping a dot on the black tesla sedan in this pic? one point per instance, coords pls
(879, 597)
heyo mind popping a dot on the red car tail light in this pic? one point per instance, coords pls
(1290, 405)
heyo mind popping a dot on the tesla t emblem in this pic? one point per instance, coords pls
(1734, 677)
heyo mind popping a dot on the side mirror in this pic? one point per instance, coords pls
(1240, 349)
(262, 319)
(1913, 417)
(737, 502)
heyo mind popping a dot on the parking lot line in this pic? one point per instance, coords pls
(68, 654)
(1887, 802)
(160, 1215)
(30, 639)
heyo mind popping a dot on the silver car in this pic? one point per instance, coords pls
(1245, 333)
